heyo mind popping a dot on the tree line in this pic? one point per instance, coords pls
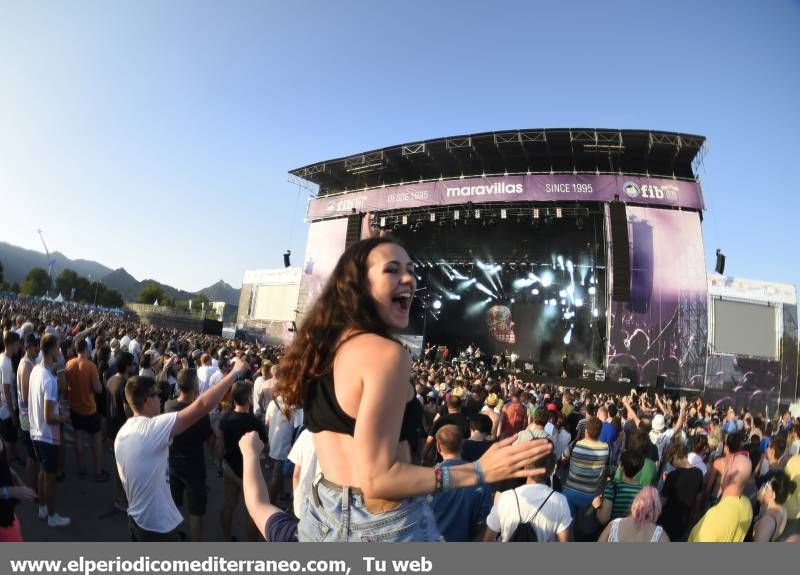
(74, 287)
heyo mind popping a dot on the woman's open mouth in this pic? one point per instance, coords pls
(402, 302)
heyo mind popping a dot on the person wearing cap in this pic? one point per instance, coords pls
(535, 503)
(490, 410)
(660, 436)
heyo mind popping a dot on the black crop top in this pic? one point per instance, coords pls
(322, 412)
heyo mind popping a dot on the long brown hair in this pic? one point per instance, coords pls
(344, 304)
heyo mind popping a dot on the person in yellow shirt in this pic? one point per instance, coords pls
(792, 504)
(729, 520)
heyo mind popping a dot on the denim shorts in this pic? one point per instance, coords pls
(338, 515)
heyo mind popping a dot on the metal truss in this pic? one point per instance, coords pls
(692, 336)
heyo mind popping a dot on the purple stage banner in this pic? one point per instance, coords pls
(535, 188)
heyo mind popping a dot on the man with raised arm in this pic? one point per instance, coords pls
(142, 448)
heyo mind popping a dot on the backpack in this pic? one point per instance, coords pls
(525, 532)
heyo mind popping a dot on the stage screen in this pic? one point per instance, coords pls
(742, 328)
(534, 288)
(662, 332)
(324, 247)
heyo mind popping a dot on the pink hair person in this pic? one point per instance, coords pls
(647, 506)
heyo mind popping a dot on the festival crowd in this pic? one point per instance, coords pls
(485, 452)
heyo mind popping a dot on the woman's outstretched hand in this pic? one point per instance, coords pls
(503, 460)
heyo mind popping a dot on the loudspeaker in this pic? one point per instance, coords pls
(661, 381)
(212, 327)
(353, 230)
(720, 267)
(620, 253)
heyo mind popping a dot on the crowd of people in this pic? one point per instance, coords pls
(342, 436)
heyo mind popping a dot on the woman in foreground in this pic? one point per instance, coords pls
(352, 379)
(640, 526)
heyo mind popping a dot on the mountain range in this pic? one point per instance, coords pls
(17, 262)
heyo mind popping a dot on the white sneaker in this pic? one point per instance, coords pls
(43, 512)
(58, 521)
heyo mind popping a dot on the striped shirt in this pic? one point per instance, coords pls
(622, 495)
(587, 465)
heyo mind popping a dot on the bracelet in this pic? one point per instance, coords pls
(476, 465)
(445, 478)
(437, 470)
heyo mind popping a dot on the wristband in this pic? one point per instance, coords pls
(476, 465)
(445, 478)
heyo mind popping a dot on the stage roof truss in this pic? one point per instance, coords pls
(513, 152)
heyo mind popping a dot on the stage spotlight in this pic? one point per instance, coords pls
(437, 304)
(477, 214)
(595, 312)
(456, 214)
(383, 222)
(433, 217)
(563, 302)
(535, 291)
(552, 302)
(512, 300)
(465, 284)
(562, 293)
(405, 220)
(485, 289)
(578, 302)
(535, 213)
(547, 279)
(476, 308)
(558, 212)
(592, 290)
(568, 337)
(503, 214)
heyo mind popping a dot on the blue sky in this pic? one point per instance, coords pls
(158, 135)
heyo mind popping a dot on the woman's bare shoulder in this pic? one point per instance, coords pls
(369, 348)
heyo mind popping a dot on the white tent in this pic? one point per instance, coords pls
(59, 299)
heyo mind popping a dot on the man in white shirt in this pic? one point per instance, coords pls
(304, 457)
(280, 430)
(204, 373)
(263, 387)
(546, 510)
(142, 448)
(45, 428)
(9, 420)
(135, 349)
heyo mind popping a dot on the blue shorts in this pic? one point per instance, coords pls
(337, 514)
